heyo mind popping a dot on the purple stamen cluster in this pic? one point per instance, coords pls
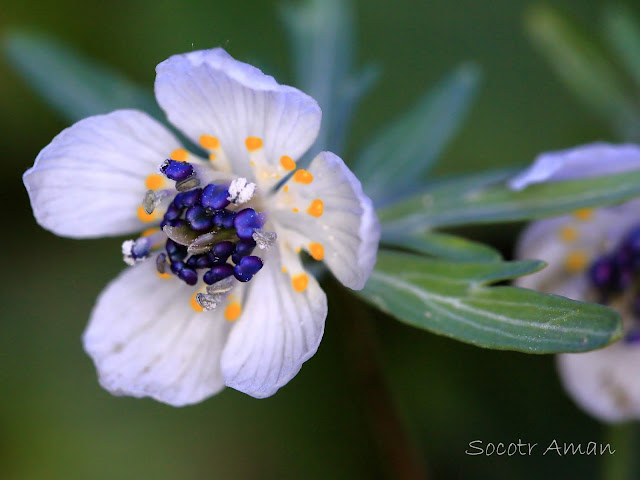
(617, 271)
(203, 211)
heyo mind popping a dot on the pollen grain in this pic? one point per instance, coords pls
(568, 234)
(287, 163)
(194, 304)
(232, 312)
(253, 143)
(576, 261)
(302, 176)
(300, 282)
(144, 216)
(316, 209)
(584, 214)
(179, 155)
(316, 250)
(154, 181)
(209, 142)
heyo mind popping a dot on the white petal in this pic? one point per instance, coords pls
(207, 92)
(556, 240)
(348, 229)
(147, 341)
(279, 329)
(604, 382)
(584, 161)
(90, 180)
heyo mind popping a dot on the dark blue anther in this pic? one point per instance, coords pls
(199, 261)
(175, 251)
(633, 241)
(247, 221)
(217, 273)
(635, 308)
(172, 213)
(198, 218)
(224, 218)
(177, 267)
(215, 196)
(204, 261)
(247, 268)
(187, 199)
(176, 170)
(221, 251)
(602, 273)
(141, 248)
(624, 278)
(192, 260)
(632, 336)
(188, 275)
(243, 248)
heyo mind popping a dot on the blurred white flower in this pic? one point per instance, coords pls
(161, 329)
(593, 255)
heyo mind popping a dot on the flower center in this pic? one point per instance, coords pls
(206, 232)
(615, 276)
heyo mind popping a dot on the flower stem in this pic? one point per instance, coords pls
(623, 464)
(400, 457)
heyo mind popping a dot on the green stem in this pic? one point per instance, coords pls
(623, 464)
(400, 457)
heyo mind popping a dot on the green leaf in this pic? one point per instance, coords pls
(444, 245)
(582, 65)
(321, 36)
(74, 85)
(622, 32)
(459, 202)
(453, 299)
(403, 152)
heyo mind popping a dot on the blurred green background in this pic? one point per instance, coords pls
(57, 423)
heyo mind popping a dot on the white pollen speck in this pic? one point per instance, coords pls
(241, 191)
(127, 247)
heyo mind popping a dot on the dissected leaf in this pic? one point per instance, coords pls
(321, 34)
(74, 85)
(453, 299)
(444, 245)
(622, 31)
(458, 202)
(401, 154)
(582, 65)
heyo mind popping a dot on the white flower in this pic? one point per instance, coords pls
(593, 255)
(153, 334)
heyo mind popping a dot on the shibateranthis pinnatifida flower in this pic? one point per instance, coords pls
(593, 255)
(217, 293)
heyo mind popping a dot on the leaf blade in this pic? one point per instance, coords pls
(458, 203)
(447, 246)
(74, 85)
(423, 133)
(583, 66)
(501, 317)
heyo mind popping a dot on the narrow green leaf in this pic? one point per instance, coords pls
(321, 35)
(581, 64)
(453, 299)
(459, 203)
(447, 246)
(622, 31)
(74, 85)
(403, 152)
